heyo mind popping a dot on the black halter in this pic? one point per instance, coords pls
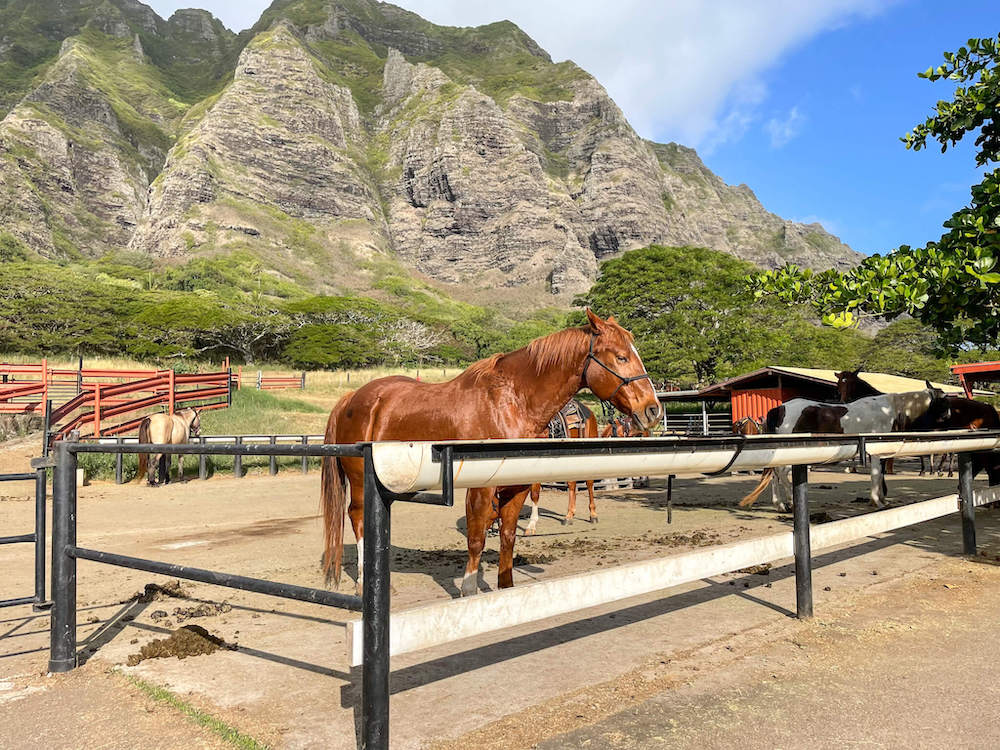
(624, 381)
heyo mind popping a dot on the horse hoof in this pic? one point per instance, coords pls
(593, 519)
(567, 522)
(529, 531)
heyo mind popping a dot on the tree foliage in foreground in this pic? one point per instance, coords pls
(951, 285)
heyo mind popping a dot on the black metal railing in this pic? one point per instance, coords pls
(374, 602)
(37, 537)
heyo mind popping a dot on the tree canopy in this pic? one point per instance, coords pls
(951, 285)
(694, 325)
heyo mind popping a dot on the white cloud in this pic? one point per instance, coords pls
(784, 129)
(685, 70)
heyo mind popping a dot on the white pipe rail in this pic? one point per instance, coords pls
(405, 467)
(443, 622)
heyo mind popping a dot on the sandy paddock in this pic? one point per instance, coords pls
(286, 682)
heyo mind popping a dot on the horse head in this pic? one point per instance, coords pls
(614, 372)
(938, 415)
(847, 384)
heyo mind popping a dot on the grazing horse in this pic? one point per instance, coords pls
(165, 429)
(510, 395)
(891, 412)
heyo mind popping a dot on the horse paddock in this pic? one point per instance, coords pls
(563, 682)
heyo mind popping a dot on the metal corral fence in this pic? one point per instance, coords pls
(271, 382)
(405, 471)
(207, 440)
(698, 423)
(87, 399)
(37, 536)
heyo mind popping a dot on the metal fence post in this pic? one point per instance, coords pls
(375, 613)
(40, 480)
(40, 602)
(801, 542)
(238, 460)
(202, 463)
(119, 457)
(273, 465)
(965, 493)
(305, 459)
(62, 652)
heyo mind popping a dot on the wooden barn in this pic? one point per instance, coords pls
(755, 393)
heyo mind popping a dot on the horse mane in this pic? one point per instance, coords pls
(483, 367)
(545, 351)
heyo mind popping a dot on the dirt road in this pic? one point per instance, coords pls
(286, 684)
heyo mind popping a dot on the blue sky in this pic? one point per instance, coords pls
(847, 95)
(802, 100)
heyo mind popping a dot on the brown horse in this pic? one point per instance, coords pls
(619, 426)
(504, 396)
(166, 429)
(586, 428)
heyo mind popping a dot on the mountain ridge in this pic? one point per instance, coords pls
(335, 139)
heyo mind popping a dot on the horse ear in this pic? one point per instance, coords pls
(929, 386)
(611, 319)
(596, 324)
(856, 371)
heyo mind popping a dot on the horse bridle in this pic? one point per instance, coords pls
(624, 381)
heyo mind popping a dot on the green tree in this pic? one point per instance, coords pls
(953, 284)
(693, 325)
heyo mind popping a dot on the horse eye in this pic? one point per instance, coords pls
(622, 359)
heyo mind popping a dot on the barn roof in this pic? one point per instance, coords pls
(880, 381)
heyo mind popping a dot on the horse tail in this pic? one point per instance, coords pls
(333, 501)
(143, 457)
(765, 479)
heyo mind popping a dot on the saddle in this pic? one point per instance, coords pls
(570, 417)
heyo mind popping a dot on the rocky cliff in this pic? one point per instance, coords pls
(338, 139)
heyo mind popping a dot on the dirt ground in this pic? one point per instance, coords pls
(691, 663)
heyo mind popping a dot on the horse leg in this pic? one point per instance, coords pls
(931, 461)
(165, 468)
(180, 467)
(878, 490)
(153, 469)
(593, 504)
(480, 513)
(778, 493)
(356, 512)
(571, 508)
(536, 490)
(511, 500)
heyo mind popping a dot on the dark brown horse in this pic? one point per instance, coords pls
(505, 396)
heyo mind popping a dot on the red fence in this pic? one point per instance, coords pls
(87, 399)
(280, 382)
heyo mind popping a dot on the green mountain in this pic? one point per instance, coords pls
(348, 146)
